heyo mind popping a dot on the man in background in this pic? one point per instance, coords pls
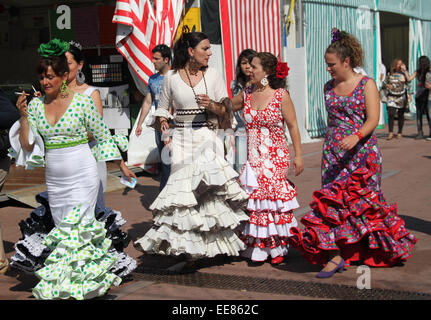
(161, 60)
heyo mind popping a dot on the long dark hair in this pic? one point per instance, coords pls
(269, 64)
(186, 41)
(241, 79)
(423, 67)
(76, 52)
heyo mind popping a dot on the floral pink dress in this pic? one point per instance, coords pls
(264, 176)
(350, 213)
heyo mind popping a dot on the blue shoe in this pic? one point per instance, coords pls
(327, 274)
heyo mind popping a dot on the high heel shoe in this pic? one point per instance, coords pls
(327, 274)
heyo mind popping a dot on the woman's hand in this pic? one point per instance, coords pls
(138, 131)
(349, 142)
(203, 101)
(126, 171)
(298, 165)
(164, 127)
(21, 104)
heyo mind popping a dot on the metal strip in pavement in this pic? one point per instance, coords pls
(275, 285)
(127, 290)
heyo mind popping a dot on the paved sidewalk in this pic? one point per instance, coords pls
(406, 181)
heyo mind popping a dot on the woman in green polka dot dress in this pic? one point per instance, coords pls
(79, 262)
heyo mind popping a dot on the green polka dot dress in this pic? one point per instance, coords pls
(71, 129)
(80, 258)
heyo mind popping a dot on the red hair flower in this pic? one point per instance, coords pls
(282, 70)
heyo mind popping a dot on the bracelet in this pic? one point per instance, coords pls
(358, 134)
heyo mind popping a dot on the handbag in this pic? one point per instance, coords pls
(221, 122)
(383, 95)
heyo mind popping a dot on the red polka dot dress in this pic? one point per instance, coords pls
(264, 176)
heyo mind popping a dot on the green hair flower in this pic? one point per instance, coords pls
(55, 47)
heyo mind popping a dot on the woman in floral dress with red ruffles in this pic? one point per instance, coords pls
(350, 219)
(272, 197)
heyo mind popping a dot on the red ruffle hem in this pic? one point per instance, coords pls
(351, 217)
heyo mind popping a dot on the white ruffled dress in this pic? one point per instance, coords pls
(202, 203)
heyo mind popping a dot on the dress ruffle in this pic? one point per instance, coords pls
(78, 265)
(197, 211)
(29, 160)
(350, 216)
(31, 251)
(108, 150)
(270, 219)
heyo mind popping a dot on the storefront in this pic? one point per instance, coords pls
(26, 24)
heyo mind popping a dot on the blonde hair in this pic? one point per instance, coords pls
(394, 64)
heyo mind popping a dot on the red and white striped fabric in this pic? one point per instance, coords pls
(249, 24)
(141, 27)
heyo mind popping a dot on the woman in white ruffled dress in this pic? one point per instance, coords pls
(266, 108)
(201, 205)
(52, 131)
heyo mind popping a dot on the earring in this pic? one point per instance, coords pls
(264, 82)
(64, 90)
(80, 77)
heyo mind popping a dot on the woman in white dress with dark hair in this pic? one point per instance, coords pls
(30, 251)
(201, 205)
(52, 132)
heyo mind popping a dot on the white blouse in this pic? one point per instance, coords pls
(178, 94)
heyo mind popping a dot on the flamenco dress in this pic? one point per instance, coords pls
(31, 252)
(272, 197)
(63, 242)
(196, 213)
(349, 213)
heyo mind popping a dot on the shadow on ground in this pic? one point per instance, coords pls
(417, 224)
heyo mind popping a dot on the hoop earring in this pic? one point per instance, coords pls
(80, 77)
(64, 90)
(264, 82)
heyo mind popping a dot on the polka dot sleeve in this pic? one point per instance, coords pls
(108, 146)
(31, 110)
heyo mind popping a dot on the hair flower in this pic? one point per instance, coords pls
(337, 34)
(55, 47)
(282, 70)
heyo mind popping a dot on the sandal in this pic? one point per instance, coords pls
(4, 266)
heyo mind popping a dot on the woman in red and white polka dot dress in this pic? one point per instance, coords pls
(267, 106)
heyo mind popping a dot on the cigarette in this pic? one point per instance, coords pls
(33, 89)
(20, 93)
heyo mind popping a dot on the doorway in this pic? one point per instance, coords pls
(395, 38)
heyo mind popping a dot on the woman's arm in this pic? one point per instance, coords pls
(25, 127)
(372, 109)
(289, 116)
(97, 101)
(238, 101)
(145, 108)
(406, 73)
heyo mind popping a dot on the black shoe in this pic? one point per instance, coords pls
(419, 136)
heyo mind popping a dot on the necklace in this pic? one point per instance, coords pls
(203, 76)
